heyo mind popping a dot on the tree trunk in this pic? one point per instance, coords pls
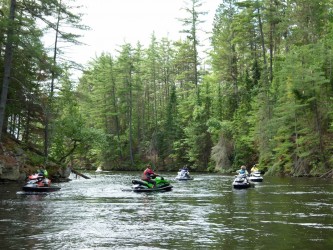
(130, 117)
(78, 173)
(47, 129)
(7, 64)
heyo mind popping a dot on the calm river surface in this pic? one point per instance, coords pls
(205, 213)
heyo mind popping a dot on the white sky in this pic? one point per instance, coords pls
(116, 22)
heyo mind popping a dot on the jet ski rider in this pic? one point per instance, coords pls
(148, 175)
(243, 170)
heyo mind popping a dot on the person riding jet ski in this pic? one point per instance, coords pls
(149, 175)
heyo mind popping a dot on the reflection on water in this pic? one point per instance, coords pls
(205, 213)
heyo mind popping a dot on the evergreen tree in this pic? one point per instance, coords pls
(7, 64)
(191, 29)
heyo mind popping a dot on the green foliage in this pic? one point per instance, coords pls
(223, 151)
(34, 159)
(266, 98)
(302, 111)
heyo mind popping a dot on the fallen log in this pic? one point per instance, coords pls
(328, 174)
(78, 173)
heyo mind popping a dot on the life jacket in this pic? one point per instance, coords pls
(254, 169)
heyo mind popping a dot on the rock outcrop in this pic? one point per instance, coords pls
(16, 165)
(11, 163)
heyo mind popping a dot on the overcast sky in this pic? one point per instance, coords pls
(114, 22)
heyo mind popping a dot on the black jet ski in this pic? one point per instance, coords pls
(241, 181)
(144, 186)
(39, 183)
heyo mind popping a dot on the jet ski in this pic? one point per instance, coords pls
(183, 175)
(242, 182)
(39, 183)
(144, 186)
(256, 177)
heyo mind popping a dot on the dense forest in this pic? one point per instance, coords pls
(263, 96)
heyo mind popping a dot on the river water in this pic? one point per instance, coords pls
(205, 213)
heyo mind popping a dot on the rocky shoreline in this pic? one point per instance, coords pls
(16, 164)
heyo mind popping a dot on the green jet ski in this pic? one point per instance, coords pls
(162, 185)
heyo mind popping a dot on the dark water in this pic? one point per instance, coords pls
(206, 213)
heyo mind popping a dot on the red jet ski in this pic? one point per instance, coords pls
(39, 183)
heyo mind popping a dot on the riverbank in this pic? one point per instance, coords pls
(18, 161)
